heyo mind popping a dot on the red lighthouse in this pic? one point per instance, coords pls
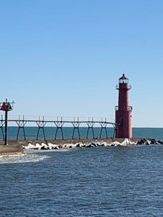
(123, 110)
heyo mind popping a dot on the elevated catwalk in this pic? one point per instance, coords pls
(58, 125)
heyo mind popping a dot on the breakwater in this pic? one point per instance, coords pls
(85, 143)
(18, 146)
(11, 149)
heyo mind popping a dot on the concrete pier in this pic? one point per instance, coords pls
(11, 149)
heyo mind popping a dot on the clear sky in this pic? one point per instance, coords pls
(64, 57)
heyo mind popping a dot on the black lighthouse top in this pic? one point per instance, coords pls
(123, 79)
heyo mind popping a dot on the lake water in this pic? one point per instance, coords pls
(31, 133)
(100, 181)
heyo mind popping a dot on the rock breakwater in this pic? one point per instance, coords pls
(69, 144)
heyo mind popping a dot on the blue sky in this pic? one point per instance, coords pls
(64, 57)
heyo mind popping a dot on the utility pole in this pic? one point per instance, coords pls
(6, 107)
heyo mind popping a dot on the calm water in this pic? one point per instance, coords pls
(31, 132)
(105, 181)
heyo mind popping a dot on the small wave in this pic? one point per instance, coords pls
(35, 151)
(27, 158)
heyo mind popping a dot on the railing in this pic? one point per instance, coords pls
(58, 124)
(126, 87)
(128, 108)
